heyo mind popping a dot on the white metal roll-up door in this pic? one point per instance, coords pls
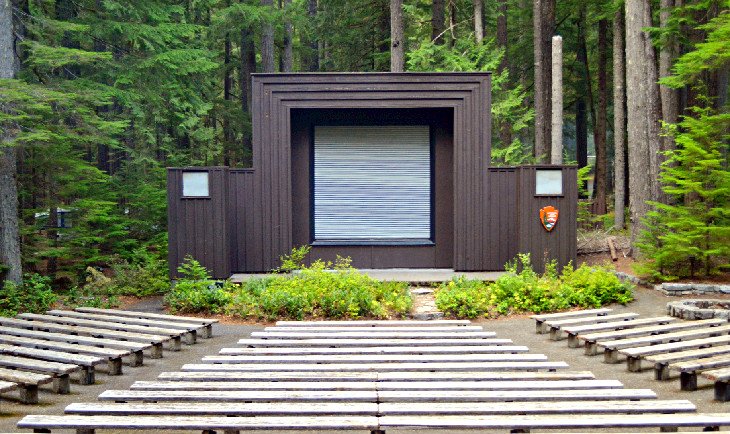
(372, 183)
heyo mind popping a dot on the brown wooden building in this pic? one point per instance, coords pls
(391, 169)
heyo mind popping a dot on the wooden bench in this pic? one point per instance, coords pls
(379, 367)
(540, 319)
(207, 323)
(721, 377)
(661, 361)
(61, 372)
(637, 347)
(187, 329)
(365, 342)
(390, 408)
(592, 339)
(87, 424)
(555, 326)
(352, 329)
(375, 323)
(688, 370)
(26, 382)
(634, 355)
(175, 335)
(376, 358)
(112, 355)
(375, 376)
(86, 363)
(373, 396)
(154, 341)
(474, 349)
(419, 335)
(392, 385)
(135, 348)
(574, 331)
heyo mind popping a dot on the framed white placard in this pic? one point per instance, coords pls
(195, 184)
(548, 182)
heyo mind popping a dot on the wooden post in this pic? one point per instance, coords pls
(556, 156)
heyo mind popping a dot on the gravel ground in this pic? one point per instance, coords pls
(520, 329)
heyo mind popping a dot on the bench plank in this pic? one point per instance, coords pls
(372, 335)
(475, 349)
(145, 315)
(245, 395)
(664, 337)
(380, 367)
(110, 353)
(86, 363)
(574, 331)
(554, 422)
(128, 320)
(199, 422)
(393, 385)
(351, 329)
(634, 355)
(513, 395)
(7, 386)
(540, 319)
(365, 342)
(225, 408)
(662, 361)
(28, 383)
(555, 327)
(374, 323)
(549, 407)
(27, 364)
(720, 377)
(372, 376)
(377, 358)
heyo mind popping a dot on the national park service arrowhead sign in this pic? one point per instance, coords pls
(549, 217)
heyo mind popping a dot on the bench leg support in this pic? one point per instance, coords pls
(668, 429)
(29, 394)
(573, 341)
(42, 430)
(114, 366)
(711, 428)
(175, 344)
(591, 348)
(208, 331)
(85, 431)
(722, 391)
(633, 364)
(556, 334)
(377, 431)
(156, 351)
(136, 359)
(62, 384)
(538, 327)
(610, 356)
(88, 375)
(688, 381)
(191, 337)
(661, 371)
(230, 431)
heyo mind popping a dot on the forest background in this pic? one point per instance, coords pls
(97, 97)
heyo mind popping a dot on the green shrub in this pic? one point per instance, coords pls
(87, 297)
(146, 276)
(33, 295)
(196, 292)
(523, 290)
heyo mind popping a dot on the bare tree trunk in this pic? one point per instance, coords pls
(669, 51)
(478, 21)
(248, 67)
(600, 183)
(227, 84)
(653, 110)
(267, 42)
(505, 129)
(437, 21)
(638, 111)
(619, 120)
(287, 57)
(452, 21)
(584, 97)
(313, 58)
(543, 22)
(557, 101)
(397, 54)
(9, 225)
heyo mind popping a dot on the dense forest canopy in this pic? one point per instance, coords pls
(99, 96)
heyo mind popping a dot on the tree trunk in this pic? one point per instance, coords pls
(397, 54)
(248, 67)
(600, 183)
(437, 21)
(581, 132)
(267, 42)
(287, 57)
(669, 96)
(478, 21)
(654, 110)
(584, 97)
(312, 64)
(638, 111)
(619, 120)
(505, 129)
(543, 22)
(557, 101)
(227, 84)
(9, 225)
(452, 21)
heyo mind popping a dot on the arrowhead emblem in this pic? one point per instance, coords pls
(549, 217)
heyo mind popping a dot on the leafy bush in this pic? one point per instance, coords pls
(196, 292)
(521, 289)
(323, 289)
(141, 276)
(33, 295)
